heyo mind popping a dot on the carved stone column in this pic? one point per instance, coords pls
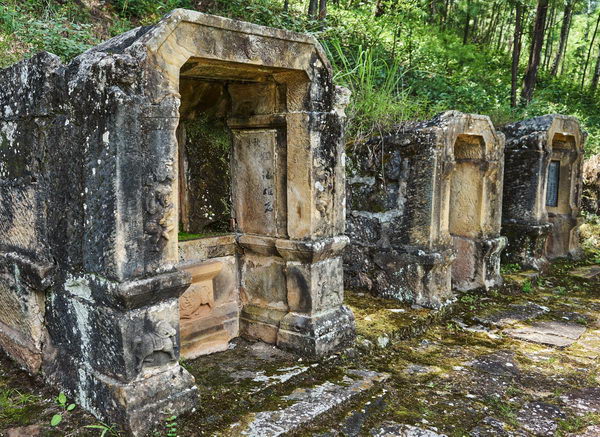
(318, 322)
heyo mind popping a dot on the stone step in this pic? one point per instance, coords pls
(305, 405)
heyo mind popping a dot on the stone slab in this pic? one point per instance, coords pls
(392, 429)
(555, 334)
(513, 314)
(540, 418)
(585, 400)
(308, 404)
(586, 272)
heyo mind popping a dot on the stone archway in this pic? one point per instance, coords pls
(107, 214)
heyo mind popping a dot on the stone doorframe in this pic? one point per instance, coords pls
(106, 308)
(315, 321)
(472, 144)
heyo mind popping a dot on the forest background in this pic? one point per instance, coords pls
(402, 59)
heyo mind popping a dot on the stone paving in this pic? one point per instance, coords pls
(486, 367)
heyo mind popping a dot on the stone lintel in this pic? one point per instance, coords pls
(206, 248)
(258, 121)
(528, 227)
(311, 251)
(259, 244)
(141, 292)
(37, 274)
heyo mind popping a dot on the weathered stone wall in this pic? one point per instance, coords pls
(28, 122)
(403, 229)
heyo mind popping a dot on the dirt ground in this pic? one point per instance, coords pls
(522, 360)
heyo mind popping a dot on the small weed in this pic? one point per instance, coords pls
(15, 407)
(560, 291)
(61, 400)
(577, 423)
(171, 425)
(104, 429)
(507, 269)
(514, 391)
(527, 287)
(505, 409)
(470, 300)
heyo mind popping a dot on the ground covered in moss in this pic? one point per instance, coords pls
(461, 372)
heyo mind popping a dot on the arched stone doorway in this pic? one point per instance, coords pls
(424, 210)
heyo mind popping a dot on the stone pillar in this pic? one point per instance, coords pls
(317, 322)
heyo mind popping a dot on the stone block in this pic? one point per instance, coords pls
(198, 124)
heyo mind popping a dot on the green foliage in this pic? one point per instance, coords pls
(185, 236)
(171, 426)
(62, 401)
(45, 26)
(507, 269)
(16, 407)
(104, 429)
(144, 8)
(527, 287)
(402, 64)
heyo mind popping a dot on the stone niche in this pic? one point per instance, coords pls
(424, 210)
(542, 192)
(223, 133)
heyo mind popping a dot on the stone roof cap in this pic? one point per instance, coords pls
(536, 132)
(153, 36)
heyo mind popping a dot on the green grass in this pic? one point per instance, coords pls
(184, 236)
(17, 408)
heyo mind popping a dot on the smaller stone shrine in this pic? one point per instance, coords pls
(542, 192)
(424, 207)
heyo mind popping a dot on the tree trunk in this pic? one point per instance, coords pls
(503, 23)
(549, 38)
(492, 24)
(587, 59)
(312, 9)
(537, 43)
(444, 15)
(516, 55)
(322, 9)
(432, 11)
(286, 5)
(467, 22)
(596, 77)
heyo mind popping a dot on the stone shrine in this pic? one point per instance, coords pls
(222, 134)
(424, 207)
(542, 192)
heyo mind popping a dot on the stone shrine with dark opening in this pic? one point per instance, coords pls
(542, 192)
